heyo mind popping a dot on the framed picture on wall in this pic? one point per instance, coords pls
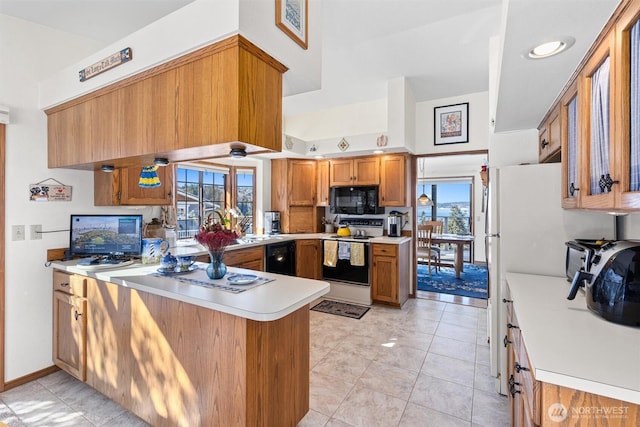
(451, 124)
(292, 18)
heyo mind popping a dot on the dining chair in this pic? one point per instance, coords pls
(437, 226)
(425, 248)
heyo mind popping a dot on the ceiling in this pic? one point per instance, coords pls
(440, 46)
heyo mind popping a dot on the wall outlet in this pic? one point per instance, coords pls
(35, 232)
(17, 232)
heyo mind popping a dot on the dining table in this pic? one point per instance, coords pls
(459, 240)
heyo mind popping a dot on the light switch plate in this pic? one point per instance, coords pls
(35, 232)
(17, 232)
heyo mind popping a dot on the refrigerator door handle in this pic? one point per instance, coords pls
(492, 235)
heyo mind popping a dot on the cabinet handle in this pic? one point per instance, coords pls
(504, 300)
(518, 367)
(506, 341)
(606, 182)
(512, 326)
(512, 387)
(77, 314)
(573, 189)
(64, 285)
(544, 143)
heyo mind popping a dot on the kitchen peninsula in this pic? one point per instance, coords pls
(183, 354)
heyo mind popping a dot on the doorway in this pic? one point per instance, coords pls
(448, 190)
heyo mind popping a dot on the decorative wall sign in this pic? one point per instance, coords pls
(343, 144)
(292, 18)
(451, 124)
(107, 63)
(45, 192)
(382, 140)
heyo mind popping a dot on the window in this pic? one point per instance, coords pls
(203, 190)
(452, 204)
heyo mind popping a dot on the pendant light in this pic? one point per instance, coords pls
(424, 200)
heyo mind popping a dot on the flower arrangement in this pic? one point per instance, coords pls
(214, 235)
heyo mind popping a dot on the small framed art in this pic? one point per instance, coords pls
(292, 18)
(451, 124)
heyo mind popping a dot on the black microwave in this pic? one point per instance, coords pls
(355, 200)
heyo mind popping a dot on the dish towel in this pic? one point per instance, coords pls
(344, 250)
(357, 254)
(330, 253)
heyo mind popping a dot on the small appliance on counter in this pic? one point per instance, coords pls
(395, 223)
(610, 274)
(272, 222)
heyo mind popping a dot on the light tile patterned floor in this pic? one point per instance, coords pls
(425, 365)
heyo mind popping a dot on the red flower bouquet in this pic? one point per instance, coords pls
(214, 236)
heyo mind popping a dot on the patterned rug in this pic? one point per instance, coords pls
(472, 282)
(340, 309)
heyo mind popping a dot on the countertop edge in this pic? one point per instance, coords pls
(559, 311)
(284, 307)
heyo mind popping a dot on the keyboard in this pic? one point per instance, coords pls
(103, 264)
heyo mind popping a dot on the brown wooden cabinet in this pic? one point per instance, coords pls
(191, 107)
(570, 119)
(120, 187)
(293, 193)
(309, 259)
(251, 258)
(390, 273)
(393, 180)
(323, 183)
(356, 171)
(70, 323)
(549, 138)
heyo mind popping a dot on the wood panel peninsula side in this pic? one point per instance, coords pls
(179, 354)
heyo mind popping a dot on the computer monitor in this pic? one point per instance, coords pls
(105, 235)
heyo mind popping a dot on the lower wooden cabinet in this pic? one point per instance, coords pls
(251, 258)
(70, 324)
(308, 259)
(390, 273)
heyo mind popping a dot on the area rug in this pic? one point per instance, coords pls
(472, 282)
(341, 309)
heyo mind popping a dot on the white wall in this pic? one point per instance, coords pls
(478, 124)
(513, 148)
(196, 25)
(29, 53)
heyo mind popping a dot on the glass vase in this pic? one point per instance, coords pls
(216, 268)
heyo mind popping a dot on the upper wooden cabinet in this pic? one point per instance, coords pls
(192, 107)
(549, 138)
(323, 183)
(393, 180)
(293, 193)
(598, 114)
(356, 171)
(120, 187)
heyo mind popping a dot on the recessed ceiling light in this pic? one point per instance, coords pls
(107, 168)
(550, 48)
(161, 161)
(238, 152)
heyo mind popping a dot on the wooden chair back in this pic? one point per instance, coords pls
(436, 226)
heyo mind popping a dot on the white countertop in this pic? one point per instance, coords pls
(266, 302)
(570, 346)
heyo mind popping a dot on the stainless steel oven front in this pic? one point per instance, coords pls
(344, 270)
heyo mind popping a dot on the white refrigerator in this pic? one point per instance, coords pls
(526, 229)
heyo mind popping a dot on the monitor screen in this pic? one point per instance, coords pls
(105, 235)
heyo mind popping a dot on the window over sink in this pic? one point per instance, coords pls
(201, 190)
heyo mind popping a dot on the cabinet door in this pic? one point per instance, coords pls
(302, 183)
(599, 175)
(393, 182)
(69, 333)
(384, 286)
(341, 172)
(132, 194)
(308, 263)
(549, 137)
(250, 258)
(366, 171)
(323, 183)
(570, 158)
